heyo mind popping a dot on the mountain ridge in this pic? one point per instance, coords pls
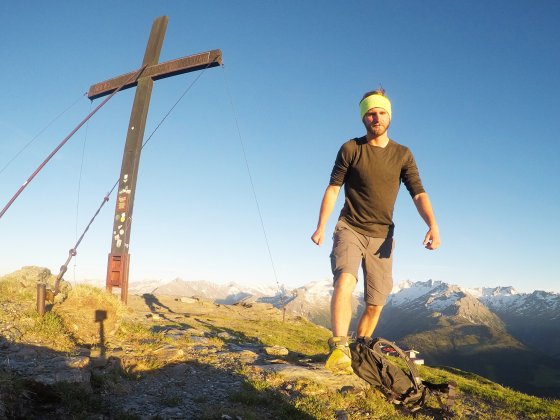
(483, 330)
(502, 299)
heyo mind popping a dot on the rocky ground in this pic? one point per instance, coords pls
(192, 370)
(163, 357)
(205, 373)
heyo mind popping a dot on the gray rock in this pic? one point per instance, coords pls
(245, 355)
(226, 336)
(276, 351)
(318, 374)
(189, 300)
(168, 352)
(195, 332)
(45, 366)
(201, 340)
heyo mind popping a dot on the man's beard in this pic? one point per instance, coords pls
(378, 130)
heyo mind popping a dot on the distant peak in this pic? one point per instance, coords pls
(492, 292)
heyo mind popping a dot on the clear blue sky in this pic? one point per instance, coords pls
(474, 87)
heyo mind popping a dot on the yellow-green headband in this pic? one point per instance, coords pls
(375, 101)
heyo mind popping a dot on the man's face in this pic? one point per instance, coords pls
(377, 121)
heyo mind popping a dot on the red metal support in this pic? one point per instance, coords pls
(117, 274)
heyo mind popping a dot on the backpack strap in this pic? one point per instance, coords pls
(416, 397)
(379, 343)
(451, 395)
(363, 355)
(414, 400)
(437, 390)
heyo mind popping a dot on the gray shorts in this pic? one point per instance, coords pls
(351, 248)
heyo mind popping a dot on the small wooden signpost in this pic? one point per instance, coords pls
(119, 258)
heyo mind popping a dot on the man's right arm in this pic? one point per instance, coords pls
(327, 206)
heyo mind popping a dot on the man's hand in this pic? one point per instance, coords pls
(327, 205)
(432, 240)
(318, 236)
(424, 207)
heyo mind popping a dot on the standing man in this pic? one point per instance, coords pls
(371, 168)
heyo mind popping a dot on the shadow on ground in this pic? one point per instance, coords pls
(29, 389)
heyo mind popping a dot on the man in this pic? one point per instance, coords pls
(371, 168)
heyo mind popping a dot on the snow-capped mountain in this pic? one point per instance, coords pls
(508, 300)
(425, 306)
(504, 301)
(428, 297)
(313, 302)
(534, 318)
(531, 317)
(408, 291)
(499, 333)
(220, 293)
(483, 330)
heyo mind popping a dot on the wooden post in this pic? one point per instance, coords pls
(119, 258)
(131, 160)
(41, 298)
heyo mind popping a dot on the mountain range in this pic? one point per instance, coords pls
(481, 330)
(509, 337)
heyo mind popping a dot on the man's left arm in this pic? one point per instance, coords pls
(424, 207)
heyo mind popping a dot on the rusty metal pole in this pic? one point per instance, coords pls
(41, 298)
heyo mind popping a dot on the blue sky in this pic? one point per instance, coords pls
(474, 87)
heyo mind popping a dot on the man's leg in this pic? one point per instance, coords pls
(339, 360)
(369, 319)
(341, 304)
(346, 256)
(378, 267)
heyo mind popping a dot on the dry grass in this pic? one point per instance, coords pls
(90, 316)
(88, 313)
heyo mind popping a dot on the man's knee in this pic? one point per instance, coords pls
(373, 310)
(345, 283)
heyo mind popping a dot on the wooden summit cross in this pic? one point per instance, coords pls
(119, 258)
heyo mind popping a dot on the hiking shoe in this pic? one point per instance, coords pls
(365, 341)
(339, 361)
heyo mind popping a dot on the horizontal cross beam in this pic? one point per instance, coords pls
(170, 68)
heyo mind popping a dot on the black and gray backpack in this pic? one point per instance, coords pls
(401, 386)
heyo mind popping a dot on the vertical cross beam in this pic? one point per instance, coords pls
(119, 258)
